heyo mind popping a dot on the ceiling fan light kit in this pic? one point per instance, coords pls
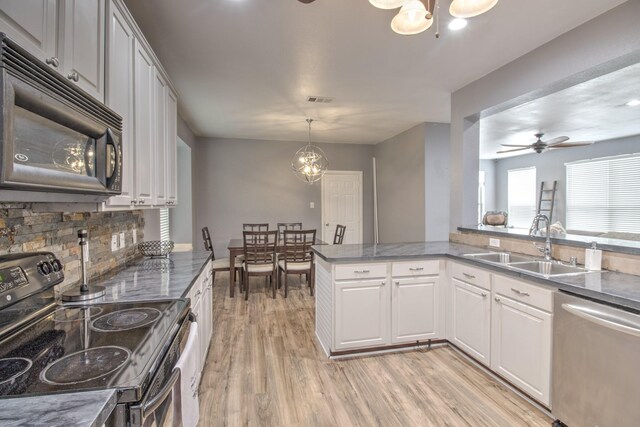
(412, 18)
(470, 8)
(310, 162)
(387, 4)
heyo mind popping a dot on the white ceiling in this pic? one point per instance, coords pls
(243, 68)
(591, 111)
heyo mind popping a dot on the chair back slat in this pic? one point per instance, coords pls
(297, 245)
(255, 227)
(206, 237)
(339, 236)
(260, 247)
(284, 226)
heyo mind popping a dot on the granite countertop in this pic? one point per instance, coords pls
(142, 280)
(154, 278)
(86, 409)
(604, 286)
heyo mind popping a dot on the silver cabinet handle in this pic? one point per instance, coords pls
(141, 201)
(53, 61)
(469, 276)
(497, 299)
(397, 283)
(383, 283)
(483, 294)
(361, 271)
(198, 293)
(519, 292)
(73, 76)
(416, 269)
(134, 202)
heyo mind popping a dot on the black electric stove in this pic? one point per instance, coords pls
(46, 347)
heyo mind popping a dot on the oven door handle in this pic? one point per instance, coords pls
(152, 405)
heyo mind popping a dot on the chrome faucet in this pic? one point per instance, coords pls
(546, 250)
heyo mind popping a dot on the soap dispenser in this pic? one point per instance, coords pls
(593, 258)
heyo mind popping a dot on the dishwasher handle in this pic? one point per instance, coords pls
(597, 318)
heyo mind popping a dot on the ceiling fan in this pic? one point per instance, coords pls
(540, 146)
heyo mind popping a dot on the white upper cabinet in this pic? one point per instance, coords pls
(172, 148)
(160, 141)
(144, 76)
(33, 25)
(119, 94)
(82, 43)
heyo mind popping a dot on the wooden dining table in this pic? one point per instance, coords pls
(236, 247)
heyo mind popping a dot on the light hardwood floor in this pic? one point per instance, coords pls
(265, 368)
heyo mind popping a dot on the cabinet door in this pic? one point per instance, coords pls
(82, 35)
(521, 346)
(160, 140)
(172, 148)
(471, 320)
(33, 25)
(144, 132)
(362, 314)
(196, 308)
(119, 94)
(414, 309)
(207, 317)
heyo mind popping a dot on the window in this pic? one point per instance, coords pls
(521, 196)
(603, 195)
(164, 224)
(481, 196)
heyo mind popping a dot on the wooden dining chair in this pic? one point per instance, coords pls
(296, 257)
(284, 226)
(338, 237)
(260, 258)
(218, 264)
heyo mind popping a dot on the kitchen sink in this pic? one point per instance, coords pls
(547, 268)
(499, 257)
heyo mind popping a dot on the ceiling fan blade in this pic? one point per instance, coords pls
(572, 144)
(511, 145)
(510, 151)
(557, 140)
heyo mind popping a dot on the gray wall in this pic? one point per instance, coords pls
(437, 157)
(609, 36)
(180, 217)
(489, 168)
(550, 166)
(400, 164)
(240, 180)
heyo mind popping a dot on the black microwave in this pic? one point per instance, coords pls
(54, 137)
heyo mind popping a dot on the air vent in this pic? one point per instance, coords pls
(319, 99)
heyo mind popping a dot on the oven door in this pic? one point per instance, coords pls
(51, 144)
(172, 400)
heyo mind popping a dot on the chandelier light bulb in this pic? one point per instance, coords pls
(470, 8)
(412, 18)
(387, 4)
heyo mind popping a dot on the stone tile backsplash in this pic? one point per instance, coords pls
(24, 230)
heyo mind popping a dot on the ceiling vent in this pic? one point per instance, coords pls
(319, 99)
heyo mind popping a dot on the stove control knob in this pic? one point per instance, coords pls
(44, 268)
(56, 265)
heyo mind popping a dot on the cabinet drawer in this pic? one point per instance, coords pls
(517, 290)
(415, 268)
(471, 275)
(360, 271)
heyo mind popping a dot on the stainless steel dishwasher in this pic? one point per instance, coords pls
(596, 364)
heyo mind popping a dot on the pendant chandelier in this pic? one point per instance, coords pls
(416, 16)
(309, 163)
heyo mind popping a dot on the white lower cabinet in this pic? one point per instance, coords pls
(202, 308)
(470, 319)
(521, 345)
(414, 309)
(361, 314)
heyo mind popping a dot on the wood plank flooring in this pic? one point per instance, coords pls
(265, 368)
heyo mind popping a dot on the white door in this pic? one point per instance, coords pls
(119, 94)
(413, 309)
(33, 25)
(362, 314)
(83, 44)
(471, 320)
(172, 148)
(160, 126)
(521, 346)
(144, 130)
(342, 204)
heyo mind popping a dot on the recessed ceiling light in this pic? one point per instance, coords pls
(633, 103)
(457, 24)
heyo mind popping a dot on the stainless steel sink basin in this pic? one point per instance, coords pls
(547, 268)
(500, 257)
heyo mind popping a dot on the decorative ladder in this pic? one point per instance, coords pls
(548, 197)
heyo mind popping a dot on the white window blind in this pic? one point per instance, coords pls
(521, 196)
(603, 195)
(164, 224)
